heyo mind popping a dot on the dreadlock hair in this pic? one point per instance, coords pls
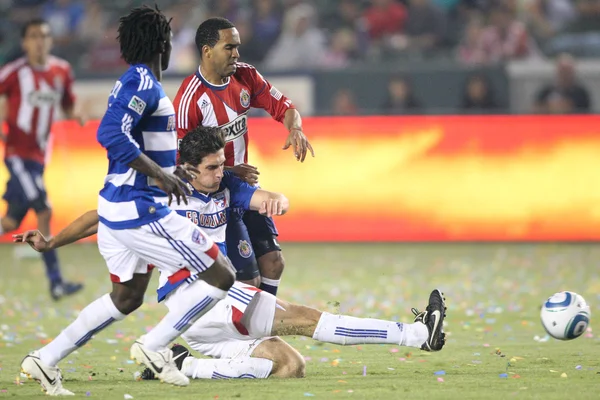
(208, 32)
(142, 33)
(30, 23)
(200, 142)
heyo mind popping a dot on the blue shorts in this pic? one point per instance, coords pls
(25, 188)
(249, 236)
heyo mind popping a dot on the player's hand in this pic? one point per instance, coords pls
(174, 187)
(80, 118)
(35, 239)
(186, 172)
(271, 207)
(301, 145)
(246, 172)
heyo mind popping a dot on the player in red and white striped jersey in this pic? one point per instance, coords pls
(220, 93)
(34, 86)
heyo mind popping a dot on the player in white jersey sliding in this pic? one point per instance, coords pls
(220, 93)
(238, 332)
(136, 228)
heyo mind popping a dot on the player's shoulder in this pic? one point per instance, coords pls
(59, 63)
(10, 68)
(190, 86)
(139, 80)
(246, 71)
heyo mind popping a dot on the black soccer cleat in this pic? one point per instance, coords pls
(180, 353)
(59, 290)
(433, 318)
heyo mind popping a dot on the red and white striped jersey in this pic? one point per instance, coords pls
(200, 103)
(32, 97)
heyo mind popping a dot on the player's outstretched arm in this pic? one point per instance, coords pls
(296, 138)
(269, 203)
(84, 226)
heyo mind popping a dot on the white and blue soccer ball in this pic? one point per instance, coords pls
(565, 315)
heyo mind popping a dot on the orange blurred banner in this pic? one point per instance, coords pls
(450, 178)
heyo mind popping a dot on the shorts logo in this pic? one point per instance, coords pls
(245, 249)
(198, 238)
(138, 105)
(245, 98)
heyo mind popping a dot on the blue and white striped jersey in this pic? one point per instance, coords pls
(140, 119)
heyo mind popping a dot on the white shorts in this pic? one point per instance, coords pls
(171, 244)
(220, 333)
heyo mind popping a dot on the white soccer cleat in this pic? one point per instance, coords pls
(159, 362)
(49, 377)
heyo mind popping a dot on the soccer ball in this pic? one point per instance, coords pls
(565, 315)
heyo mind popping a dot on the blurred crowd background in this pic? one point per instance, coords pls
(366, 56)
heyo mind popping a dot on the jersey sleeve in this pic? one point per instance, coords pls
(127, 107)
(188, 113)
(267, 96)
(68, 97)
(7, 77)
(240, 193)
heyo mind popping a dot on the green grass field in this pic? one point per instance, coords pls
(493, 295)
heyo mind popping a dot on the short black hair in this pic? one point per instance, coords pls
(30, 23)
(208, 32)
(200, 142)
(142, 33)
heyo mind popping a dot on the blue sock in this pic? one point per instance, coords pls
(52, 267)
(269, 285)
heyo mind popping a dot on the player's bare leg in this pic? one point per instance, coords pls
(58, 287)
(426, 332)
(186, 305)
(125, 298)
(271, 266)
(270, 358)
(7, 224)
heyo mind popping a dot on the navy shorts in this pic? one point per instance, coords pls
(25, 188)
(249, 236)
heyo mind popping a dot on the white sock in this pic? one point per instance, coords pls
(227, 368)
(185, 307)
(92, 319)
(345, 330)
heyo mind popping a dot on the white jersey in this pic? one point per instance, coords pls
(210, 213)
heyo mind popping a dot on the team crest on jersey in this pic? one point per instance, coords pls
(138, 105)
(245, 98)
(245, 249)
(198, 238)
(220, 200)
(171, 125)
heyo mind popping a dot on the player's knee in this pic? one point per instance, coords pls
(291, 365)
(226, 273)
(9, 224)
(272, 265)
(127, 301)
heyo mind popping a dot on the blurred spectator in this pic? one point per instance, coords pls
(342, 49)
(229, 9)
(478, 95)
(347, 15)
(470, 50)
(264, 27)
(588, 17)
(64, 17)
(400, 98)
(301, 44)
(343, 103)
(505, 38)
(546, 18)
(105, 55)
(93, 23)
(565, 95)
(385, 17)
(426, 25)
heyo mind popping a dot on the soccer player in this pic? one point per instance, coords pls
(136, 228)
(238, 331)
(34, 86)
(220, 94)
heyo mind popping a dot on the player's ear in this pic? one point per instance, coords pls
(206, 51)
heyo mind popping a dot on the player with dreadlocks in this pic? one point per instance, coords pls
(136, 227)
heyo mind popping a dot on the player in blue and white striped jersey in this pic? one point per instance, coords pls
(136, 227)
